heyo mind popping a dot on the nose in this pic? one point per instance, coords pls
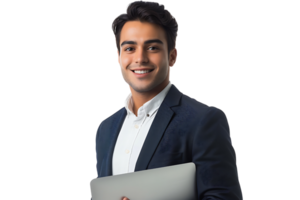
(141, 56)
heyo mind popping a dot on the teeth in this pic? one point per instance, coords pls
(141, 71)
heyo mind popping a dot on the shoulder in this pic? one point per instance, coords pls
(199, 109)
(112, 118)
(188, 101)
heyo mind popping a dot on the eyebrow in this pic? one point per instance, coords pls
(146, 42)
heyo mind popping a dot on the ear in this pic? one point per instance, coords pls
(118, 59)
(172, 57)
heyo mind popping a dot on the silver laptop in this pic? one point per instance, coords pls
(175, 182)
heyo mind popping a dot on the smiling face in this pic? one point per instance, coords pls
(144, 57)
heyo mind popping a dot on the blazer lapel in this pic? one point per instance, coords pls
(155, 133)
(114, 132)
(157, 129)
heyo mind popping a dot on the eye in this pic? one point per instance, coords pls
(128, 48)
(149, 47)
(153, 47)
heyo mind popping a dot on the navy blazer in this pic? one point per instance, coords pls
(183, 130)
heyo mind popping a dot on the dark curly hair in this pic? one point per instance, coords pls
(148, 12)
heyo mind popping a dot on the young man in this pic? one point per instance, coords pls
(159, 126)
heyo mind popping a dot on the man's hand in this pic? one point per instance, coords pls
(125, 198)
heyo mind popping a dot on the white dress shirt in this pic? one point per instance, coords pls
(134, 131)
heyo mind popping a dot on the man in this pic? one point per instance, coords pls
(159, 126)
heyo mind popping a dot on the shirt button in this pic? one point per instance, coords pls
(127, 151)
(136, 126)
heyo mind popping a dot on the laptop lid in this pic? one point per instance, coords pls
(167, 183)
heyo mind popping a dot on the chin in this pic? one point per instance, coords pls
(143, 89)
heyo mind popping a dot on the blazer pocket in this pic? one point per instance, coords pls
(164, 160)
(168, 156)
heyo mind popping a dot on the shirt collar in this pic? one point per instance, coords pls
(151, 106)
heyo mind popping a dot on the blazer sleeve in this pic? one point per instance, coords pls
(96, 160)
(214, 157)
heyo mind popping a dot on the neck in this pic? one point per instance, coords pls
(140, 98)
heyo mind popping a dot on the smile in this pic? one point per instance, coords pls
(142, 73)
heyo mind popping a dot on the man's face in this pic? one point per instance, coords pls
(144, 56)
